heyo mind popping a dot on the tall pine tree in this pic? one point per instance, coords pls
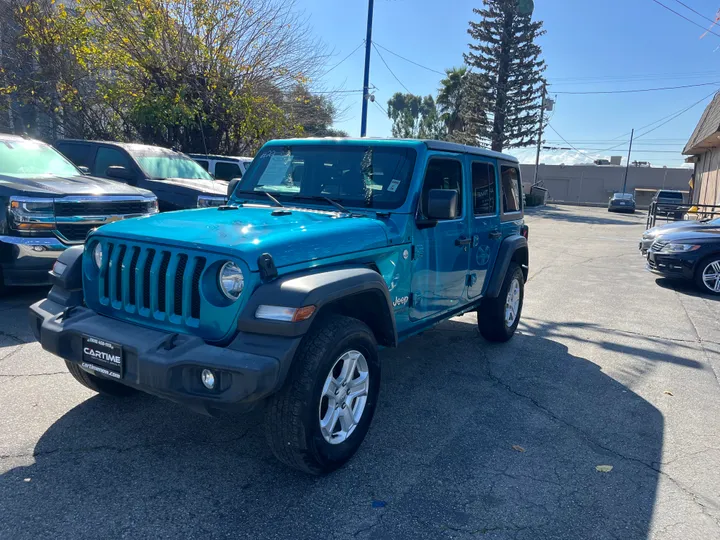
(507, 60)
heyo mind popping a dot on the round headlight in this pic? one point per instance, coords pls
(98, 255)
(231, 280)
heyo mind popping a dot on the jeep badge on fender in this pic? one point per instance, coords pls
(326, 250)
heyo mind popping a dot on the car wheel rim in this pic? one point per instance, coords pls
(711, 276)
(512, 303)
(344, 397)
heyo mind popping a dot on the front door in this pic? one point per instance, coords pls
(484, 224)
(441, 252)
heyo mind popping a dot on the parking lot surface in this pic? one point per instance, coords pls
(612, 367)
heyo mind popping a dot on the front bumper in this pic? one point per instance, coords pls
(169, 365)
(27, 260)
(672, 266)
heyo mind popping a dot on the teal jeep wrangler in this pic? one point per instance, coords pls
(326, 251)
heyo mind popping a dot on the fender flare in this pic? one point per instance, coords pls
(323, 289)
(509, 247)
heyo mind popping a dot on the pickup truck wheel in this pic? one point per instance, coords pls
(498, 318)
(97, 384)
(318, 420)
(707, 275)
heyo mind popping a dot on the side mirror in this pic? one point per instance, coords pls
(83, 169)
(118, 172)
(232, 185)
(442, 204)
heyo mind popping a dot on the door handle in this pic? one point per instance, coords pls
(495, 235)
(462, 241)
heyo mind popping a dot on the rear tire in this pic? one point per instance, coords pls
(306, 421)
(707, 268)
(498, 318)
(98, 384)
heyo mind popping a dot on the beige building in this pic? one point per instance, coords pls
(704, 151)
(595, 184)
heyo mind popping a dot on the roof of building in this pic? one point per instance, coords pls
(704, 136)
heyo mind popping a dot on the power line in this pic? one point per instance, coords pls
(684, 17)
(408, 60)
(348, 56)
(381, 108)
(563, 138)
(695, 12)
(716, 83)
(390, 70)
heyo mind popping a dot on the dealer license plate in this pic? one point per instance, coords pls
(102, 357)
(623, 203)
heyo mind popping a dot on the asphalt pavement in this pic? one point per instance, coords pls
(612, 368)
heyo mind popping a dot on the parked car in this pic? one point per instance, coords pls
(670, 202)
(223, 167)
(326, 250)
(47, 204)
(172, 176)
(652, 234)
(622, 202)
(690, 254)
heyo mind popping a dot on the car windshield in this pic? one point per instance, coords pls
(354, 175)
(670, 195)
(25, 159)
(170, 164)
(622, 196)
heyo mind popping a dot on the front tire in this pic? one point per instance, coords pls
(498, 318)
(707, 275)
(318, 420)
(98, 384)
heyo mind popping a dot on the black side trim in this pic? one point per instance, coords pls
(508, 248)
(318, 289)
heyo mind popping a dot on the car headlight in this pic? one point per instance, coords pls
(231, 280)
(210, 201)
(679, 248)
(98, 255)
(32, 214)
(153, 206)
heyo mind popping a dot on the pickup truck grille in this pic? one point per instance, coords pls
(101, 208)
(75, 232)
(152, 282)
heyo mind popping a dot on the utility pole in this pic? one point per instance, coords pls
(366, 83)
(627, 165)
(540, 133)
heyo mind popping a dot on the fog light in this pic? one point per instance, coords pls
(208, 379)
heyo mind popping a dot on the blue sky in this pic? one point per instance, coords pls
(589, 46)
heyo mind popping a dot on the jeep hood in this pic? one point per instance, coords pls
(58, 186)
(248, 232)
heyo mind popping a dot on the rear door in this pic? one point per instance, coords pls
(484, 223)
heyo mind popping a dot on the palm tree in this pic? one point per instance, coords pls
(450, 99)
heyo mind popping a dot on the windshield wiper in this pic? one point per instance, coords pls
(324, 198)
(273, 199)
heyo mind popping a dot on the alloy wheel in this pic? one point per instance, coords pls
(711, 276)
(512, 303)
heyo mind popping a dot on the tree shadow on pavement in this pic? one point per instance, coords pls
(469, 439)
(561, 214)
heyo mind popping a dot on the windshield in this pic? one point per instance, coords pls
(670, 195)
(366, 176)
(622, 196)
(171, 165)
(32, 158)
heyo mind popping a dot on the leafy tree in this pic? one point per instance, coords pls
(215, 74)
(415, 117)
(451, 97)
(507, 58)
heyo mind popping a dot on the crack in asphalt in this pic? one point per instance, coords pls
(20, 375)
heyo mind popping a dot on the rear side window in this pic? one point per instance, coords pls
(80, 154)
(203, 163)
(108, 157)
(483, 185)
(511, 189)
(443, 174)
(227, 171)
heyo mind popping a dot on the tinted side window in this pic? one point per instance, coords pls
(203, 163)
(79, 154)
(227, 171)
(443, 174)
(483, 185)
(107, 157)
(511, 189)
